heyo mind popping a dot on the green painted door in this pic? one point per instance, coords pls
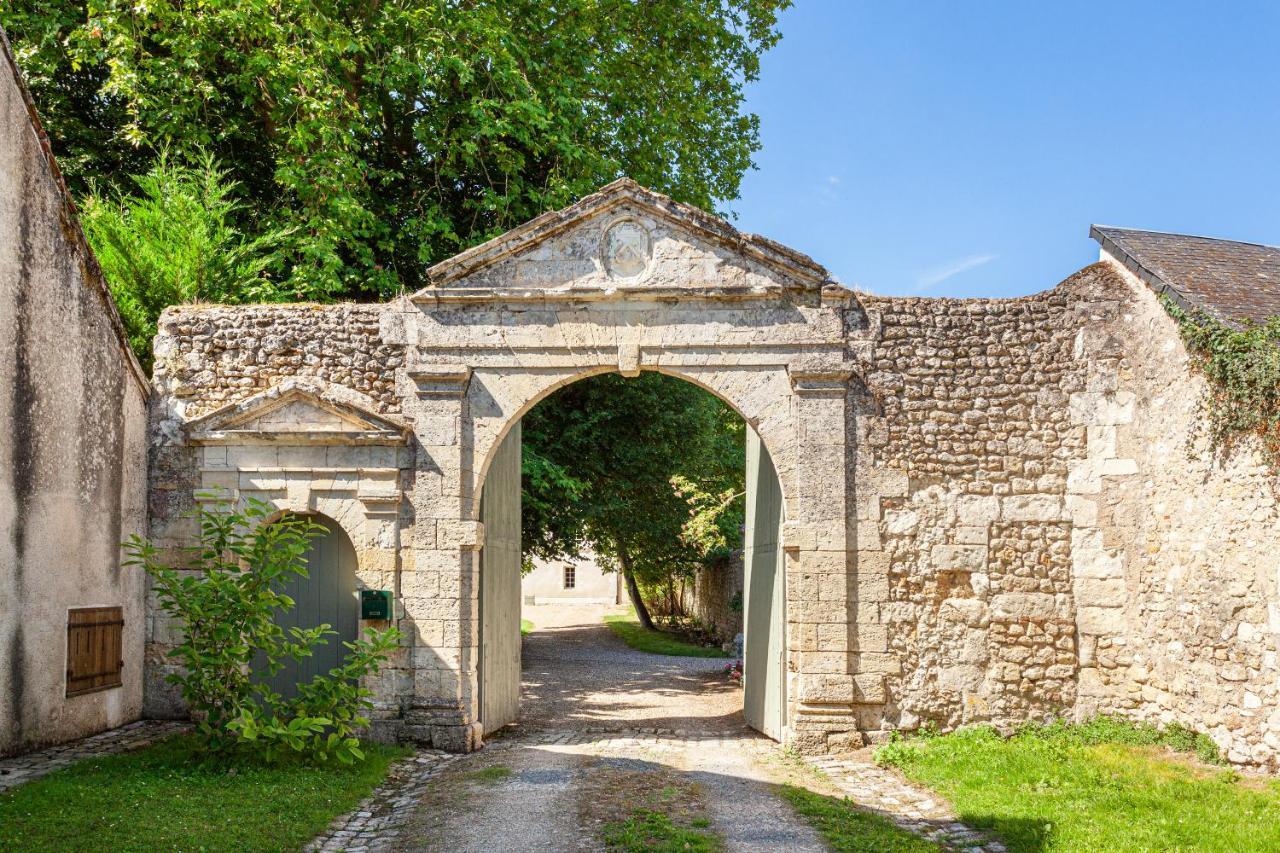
(326, 596)
(500, 587)
(764, 637)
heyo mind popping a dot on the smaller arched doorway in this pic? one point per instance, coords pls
(326, 595)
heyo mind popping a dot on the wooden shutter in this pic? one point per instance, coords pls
(95, 649)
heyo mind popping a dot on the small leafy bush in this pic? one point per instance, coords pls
(227, 596)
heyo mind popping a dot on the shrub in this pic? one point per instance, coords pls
(176, 242)
(227, 598)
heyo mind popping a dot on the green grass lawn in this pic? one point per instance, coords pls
(848, 829)
(165, 798)
(1104, 785)
(525, 626)
(642, 639)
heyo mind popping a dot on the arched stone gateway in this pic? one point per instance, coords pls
(974, 492)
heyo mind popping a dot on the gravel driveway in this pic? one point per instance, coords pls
(604, 730)
(579, 675)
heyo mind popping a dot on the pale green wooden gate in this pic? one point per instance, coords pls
(500, 587)
(326, 596)
(764, 640)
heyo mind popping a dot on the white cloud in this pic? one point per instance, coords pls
(935, 276)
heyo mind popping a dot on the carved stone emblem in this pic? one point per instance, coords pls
(626, 249)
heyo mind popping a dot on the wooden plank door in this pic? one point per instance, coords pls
(764, 640)
(326, 596)
(500, 587)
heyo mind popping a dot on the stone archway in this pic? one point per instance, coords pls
(505, 324)
(498, 508)
(386, 417)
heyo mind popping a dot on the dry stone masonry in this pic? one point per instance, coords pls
(991, 510)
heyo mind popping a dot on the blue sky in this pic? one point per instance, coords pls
(963, 149)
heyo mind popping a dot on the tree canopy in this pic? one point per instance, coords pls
(389, 135)
(648, 472)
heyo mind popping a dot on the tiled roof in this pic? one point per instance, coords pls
(1229, 280)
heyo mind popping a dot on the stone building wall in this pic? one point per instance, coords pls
(1181, 568)
(72, 447)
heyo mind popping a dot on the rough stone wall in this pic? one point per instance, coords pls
(72, 448)
(1180, 572)
(1041, 530)
(966, 611)
(716, 598)
(212, 356)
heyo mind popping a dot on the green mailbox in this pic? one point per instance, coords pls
(375, 604)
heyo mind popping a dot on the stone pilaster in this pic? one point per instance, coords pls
(440, 581)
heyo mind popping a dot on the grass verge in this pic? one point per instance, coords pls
(649, 830)
(660, 810)
(642, 639)
(1103, 785)
(491, 775)
(848, 829)
(164, 797)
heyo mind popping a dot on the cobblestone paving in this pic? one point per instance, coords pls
(33, 765)
(375, 824)
(884, 792)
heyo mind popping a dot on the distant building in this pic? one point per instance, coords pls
(579, 581)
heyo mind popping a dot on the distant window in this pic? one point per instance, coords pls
(95, 649)
(570, 577)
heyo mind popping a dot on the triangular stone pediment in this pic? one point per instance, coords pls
(624, 239)
(298, 411)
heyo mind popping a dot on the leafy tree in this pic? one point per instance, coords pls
(226, 598)
(176, 243)
(648, 472)
(394, 133)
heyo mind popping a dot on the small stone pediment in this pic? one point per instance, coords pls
(298, 412)
(622, 240)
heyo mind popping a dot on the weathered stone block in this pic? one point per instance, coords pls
(1021, 606)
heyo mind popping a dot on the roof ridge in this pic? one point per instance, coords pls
(1122, 229)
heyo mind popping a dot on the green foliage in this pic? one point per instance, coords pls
(1107, 784)
(174, 796)
(654, 641)
(392, 135)
(646, 471)
(176, 242)
(1242, 365)
(226, 598)
(848, 829)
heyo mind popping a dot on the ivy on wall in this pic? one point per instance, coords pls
(1242, 365)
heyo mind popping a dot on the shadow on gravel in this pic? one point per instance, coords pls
(582, 675)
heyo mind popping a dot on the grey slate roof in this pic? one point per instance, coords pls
(1230, 280)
